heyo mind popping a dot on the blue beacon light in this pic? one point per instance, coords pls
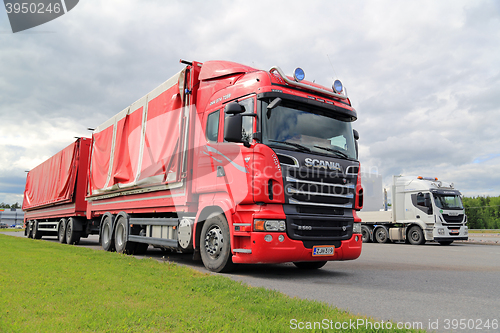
(337, 86)
(299, 74)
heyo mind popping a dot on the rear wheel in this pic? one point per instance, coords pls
(215, 244)
(365, 234)
(107, 241)
(381, 235)
(122, 244)
(310, 264)
(61, 231)
(29, 229)
(36, 233)
(72, 236)
(416, 236)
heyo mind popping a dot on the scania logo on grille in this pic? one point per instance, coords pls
(305, 227)
(315, 163)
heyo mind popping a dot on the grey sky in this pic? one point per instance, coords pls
(424, 76)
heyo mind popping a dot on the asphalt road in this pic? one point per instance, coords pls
(411, 285)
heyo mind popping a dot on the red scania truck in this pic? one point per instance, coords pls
(231, 163)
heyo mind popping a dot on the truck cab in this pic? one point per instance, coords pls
(434, 206)
(423, 209)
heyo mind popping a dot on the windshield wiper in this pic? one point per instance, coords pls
(296, 145)
(335, 151)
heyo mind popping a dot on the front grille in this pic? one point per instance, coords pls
(319, 188)
(319, 227)
(319, 210)
(453, 219)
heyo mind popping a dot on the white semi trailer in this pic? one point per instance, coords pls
(423, 209)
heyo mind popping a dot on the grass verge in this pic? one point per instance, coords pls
(484, 231)
(50, 287)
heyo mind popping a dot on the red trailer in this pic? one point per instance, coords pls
(55, 194)
(231, 163)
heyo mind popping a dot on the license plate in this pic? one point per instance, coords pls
(454, 232)
(323, 251)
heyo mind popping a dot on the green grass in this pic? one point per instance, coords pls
(484, 231)
(50, 287)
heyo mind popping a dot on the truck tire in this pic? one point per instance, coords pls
(72, 236)
(29, 229)
(416, 236)
(310, 264)
(381, 235)
(215, 244)
(36, 233)
(106, 235)
(366, 234)
(61, 231)
(122, 244)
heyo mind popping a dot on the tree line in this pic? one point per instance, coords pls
(482, 212)
(4, 205)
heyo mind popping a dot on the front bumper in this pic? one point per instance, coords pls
(274, 251)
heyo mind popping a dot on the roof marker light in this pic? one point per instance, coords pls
(337, 86)
(299, 74)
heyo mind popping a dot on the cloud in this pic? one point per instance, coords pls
(423, 76)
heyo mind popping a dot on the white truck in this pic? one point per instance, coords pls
(423, 209)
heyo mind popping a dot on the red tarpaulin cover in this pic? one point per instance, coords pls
(53, 181)
(139, 146)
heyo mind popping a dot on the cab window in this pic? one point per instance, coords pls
(212, 130)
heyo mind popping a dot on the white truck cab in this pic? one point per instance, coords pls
(423, 209)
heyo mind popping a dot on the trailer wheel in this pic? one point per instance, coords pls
(381, 235)
(309, 264)
(72, 236)
(122, 244)
(29, 229)
(61, 231)
(445, 242)
(36, 233)
(416, 236)
(366, 234)
(215, 244)
(106, 235)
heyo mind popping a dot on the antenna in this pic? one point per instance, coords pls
(336, 76)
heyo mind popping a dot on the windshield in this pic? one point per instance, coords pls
(292, 125)
(448, 201)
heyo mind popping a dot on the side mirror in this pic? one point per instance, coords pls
(356, 138)
(233, 127)
(234, 108)
(427, 200)
(356, 134)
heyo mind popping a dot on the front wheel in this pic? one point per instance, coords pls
(416, 236)
(309, 264)
(215, 244)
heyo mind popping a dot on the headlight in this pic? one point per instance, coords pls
(269, 225)
(356, 228)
